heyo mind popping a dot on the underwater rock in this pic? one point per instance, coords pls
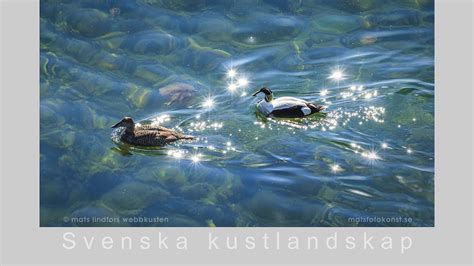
(255, 160)
(51, 11)
(181, 221)
(319, 39)
(203, 60)
(54, 191)
(175, 94)
(197, 191)
(388, 37)
(214, 28)
(178, 5)
(80, 50)
(427, 5)
(392, 19)
(152, 42)
(130, 198)
(168, 176)
(85, 52)
(188, 6)
(90, 155)
(352, 6)
(47, 34)
(267, 205)
(141, 97)
(286, 5)
(180, 93)
(84, 116)
(59, 138)
(359, 39)
(291, 62)
(275, 208)
(52, 216)
(266, 29)
(151, 73)
(335, 24)
(88, 22)
(50, 115)
(133, 25)
(218, 215)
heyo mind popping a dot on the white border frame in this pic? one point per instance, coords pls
(23, 241)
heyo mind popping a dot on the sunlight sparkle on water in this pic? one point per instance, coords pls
(372, 156)
(337, 75)
(196, 158)
(177, 154)
(232, 87)
(324, 92)
(160, 119)
(243, 82)
(335, 168)
(384, 145)
(208, 103)
(231, 73)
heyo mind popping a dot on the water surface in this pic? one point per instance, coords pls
(168, 62)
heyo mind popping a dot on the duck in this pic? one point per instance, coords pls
(148, 135)
(285, 107)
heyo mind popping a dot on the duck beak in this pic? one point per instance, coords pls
(117, 125)
(257, 92)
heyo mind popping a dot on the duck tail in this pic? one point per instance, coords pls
(315, 108)
(187, 137)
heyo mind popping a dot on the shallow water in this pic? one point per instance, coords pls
(167, 62)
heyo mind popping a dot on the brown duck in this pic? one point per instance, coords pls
(148, 135)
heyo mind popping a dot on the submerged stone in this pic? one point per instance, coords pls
(151, 72)
(166, 176)
(59, 138)
(88, 22)
(392, 19)
(130, 198)
(180, 93)
(50, 114)
(197, 191)
(335, 24)
(152, 42)
(214, 28)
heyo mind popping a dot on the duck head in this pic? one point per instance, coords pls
(127, 123)
(268, 93)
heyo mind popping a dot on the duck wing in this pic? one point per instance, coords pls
(290, 107)
(150, 127)
(163, 131)
(146, 138)
(154, 137)
(287, 102)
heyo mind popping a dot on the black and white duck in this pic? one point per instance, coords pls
(148, 135)
(285, 107)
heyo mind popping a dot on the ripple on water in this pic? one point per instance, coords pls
(169, 63)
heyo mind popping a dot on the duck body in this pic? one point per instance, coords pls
(147, 135)
(285, 107)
